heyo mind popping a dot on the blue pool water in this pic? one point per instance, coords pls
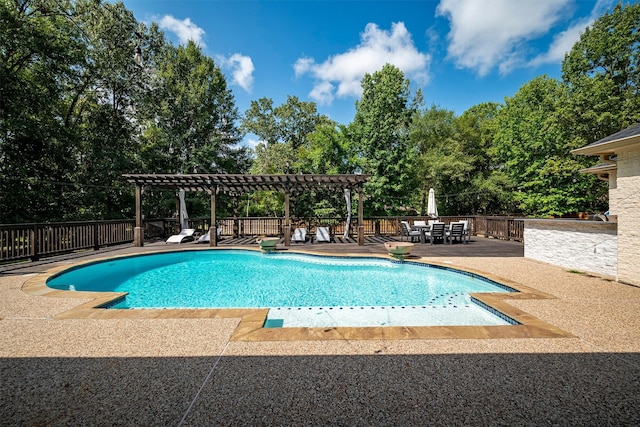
(284, 282)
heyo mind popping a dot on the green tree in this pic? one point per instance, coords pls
(440, 162)
(533, 140)
(190, 126)
(274, 159)
(603, 73)
(188, 122)
(287, 133)
(290, 122)
(67, 80)
(381, 137)
(283, 130)
(78, 109)
(327, 151)
(486, 189)
(39, 51)
(100, 108)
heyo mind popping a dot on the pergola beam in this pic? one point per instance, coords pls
(236, 184)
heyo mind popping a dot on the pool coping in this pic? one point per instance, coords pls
(250, 327)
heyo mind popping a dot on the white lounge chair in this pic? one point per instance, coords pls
(185, 235)
(323, 234)
(206, 237)
(299, 235)
(420, 223)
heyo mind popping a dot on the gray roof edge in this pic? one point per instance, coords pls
(629, 132)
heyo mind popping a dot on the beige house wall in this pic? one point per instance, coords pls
(613, 187)
(625, 202)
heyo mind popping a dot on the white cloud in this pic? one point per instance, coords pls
(303, 65)
(322, 92)
(241, 68)
(251, 143)
(486, 34)
(341, 75)
(564, 41)
(185, 29)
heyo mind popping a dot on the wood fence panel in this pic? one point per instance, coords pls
(22, 241)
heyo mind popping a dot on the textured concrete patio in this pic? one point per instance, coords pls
(189, 371)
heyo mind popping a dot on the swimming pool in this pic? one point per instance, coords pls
(299, 289)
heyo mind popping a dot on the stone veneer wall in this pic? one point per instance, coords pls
(626, 199)
(574, 244)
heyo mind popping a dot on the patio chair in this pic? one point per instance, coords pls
(185, 235)
(406, 230)
(456, 231)
(206, 237)
(437, 231)
(299, 235)
(420, 223)
(323, 234)
(467, 232)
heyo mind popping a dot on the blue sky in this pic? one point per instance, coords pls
(460, 52)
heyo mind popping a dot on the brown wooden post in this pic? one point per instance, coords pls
(138, 231)
(213, 227)
(360, 218)
(35, 242)
(287, 220)
(179, 224)
(96, 242)
(236, 225)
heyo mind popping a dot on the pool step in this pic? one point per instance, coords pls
(428, 315)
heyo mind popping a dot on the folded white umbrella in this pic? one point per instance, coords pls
(432, 208)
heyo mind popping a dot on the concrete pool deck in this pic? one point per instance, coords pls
(189, 371)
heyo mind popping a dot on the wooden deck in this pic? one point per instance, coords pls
(477, 247)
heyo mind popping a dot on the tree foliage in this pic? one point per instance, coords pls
(488, 190)
(440, 162)
(77, 110)
(380, 133)
(192, 116)
(283, 130)
(289, 123)
(327, 151)
(603, 73)
(293, 139)
(533, 141)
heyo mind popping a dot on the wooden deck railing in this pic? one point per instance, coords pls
(21, 241)
(506, 228)
(500, 227)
